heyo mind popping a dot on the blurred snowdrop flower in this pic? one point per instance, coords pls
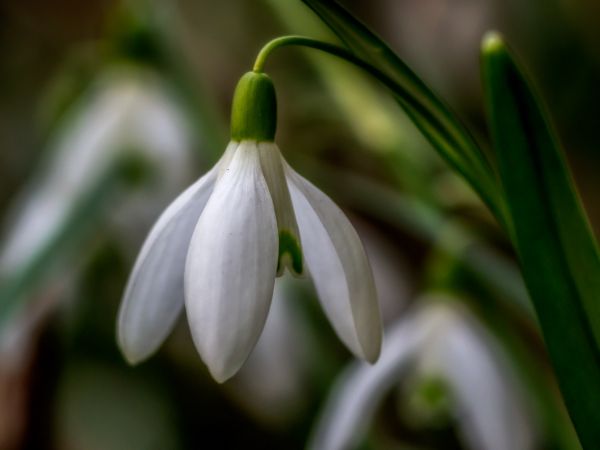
(441, 341)
(231, 233)
(127, 110)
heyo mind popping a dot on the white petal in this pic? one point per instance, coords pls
(125, 110)
(290, 252)
(490, 414)
(82, 150)
(339, 268)
(359, 391)
(154, 295)
(231, 266)
(490, 410)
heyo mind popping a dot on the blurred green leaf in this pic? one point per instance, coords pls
(557, 249)
(435, 119)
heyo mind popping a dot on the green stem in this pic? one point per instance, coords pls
(411, 104)
(332, 49)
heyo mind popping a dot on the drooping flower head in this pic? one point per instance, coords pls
(220, 245)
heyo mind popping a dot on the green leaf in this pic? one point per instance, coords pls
(556, 247)
(435, 119)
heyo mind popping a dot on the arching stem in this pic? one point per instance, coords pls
(476, 175)
(332, 49)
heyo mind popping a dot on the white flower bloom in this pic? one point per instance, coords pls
(443, 342)
(220, 245)
(126, 110)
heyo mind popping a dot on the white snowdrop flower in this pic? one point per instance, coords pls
(126, 110)
(222, 242)
(441, 342)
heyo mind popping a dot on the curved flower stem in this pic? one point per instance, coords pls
(480, 178)
(332, 49)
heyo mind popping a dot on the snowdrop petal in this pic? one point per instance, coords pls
(338, 266)
(359, 391)
(491, 413)
(231, 266)
(154, 295)
(82, 150)
(442, 341)
(290, 252)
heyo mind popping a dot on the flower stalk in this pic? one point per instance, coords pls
(432, 117)
(326, 47)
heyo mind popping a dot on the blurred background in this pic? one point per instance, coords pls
(109, 108)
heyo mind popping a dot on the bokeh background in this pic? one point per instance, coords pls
(108, 109)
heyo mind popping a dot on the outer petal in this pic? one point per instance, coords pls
(358, 392)
(82, 151)
(338, 266)
(491, 412)
(154, 295)
(231, 266)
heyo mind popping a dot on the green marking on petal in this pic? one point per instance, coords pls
(290, 253)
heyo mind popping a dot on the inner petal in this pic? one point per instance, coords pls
(290, 249)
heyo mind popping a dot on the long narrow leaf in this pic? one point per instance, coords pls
(557, 250)
(435, 120)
